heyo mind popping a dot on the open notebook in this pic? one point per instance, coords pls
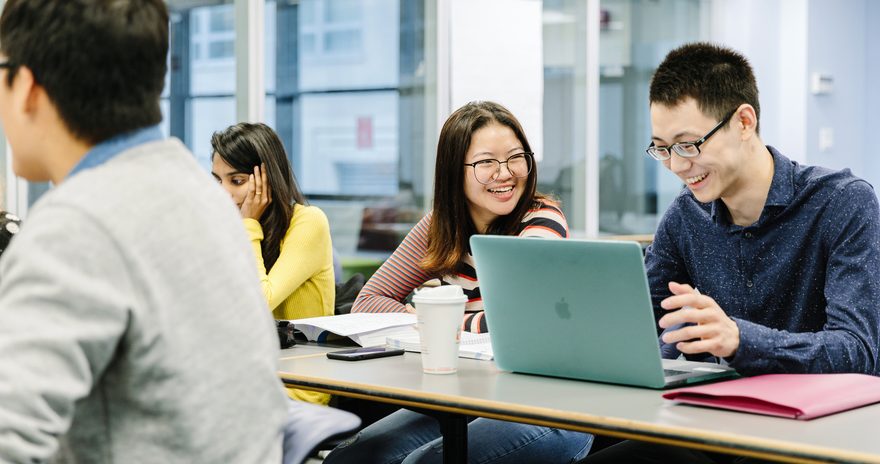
(365, 329)
(471, 345)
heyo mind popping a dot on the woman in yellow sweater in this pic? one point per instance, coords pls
(291, 240)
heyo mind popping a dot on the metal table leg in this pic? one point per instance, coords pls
(454, 429)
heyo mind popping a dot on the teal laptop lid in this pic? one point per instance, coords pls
(571, 308)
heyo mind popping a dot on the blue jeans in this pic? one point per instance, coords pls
(409, 437)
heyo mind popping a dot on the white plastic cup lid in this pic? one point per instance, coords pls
(441, 294)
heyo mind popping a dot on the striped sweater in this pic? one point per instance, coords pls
(402, 272)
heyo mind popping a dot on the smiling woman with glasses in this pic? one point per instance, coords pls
(485, 183)
(686, 149)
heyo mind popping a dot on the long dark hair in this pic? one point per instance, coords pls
(451, 223)
(246, 145)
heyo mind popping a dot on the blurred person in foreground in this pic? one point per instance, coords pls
(128, 331)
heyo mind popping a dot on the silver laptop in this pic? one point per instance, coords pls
(577, 309)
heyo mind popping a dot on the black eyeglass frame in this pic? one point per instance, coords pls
(7, 65)
(528, 155)
(677, 147)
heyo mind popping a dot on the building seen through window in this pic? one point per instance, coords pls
(344, 84)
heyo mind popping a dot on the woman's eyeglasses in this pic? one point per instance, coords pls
(487, 170)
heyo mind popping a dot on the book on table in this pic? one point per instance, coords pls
(365, 329)
(471, 345)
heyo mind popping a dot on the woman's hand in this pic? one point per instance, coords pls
(258, 194)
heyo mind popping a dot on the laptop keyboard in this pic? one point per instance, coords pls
(671, 372)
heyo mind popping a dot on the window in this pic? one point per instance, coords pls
(220, 49)
(634, 190)
(212, 28)
(221, 20)
(200, 93)
(335, 29)
(348, 91)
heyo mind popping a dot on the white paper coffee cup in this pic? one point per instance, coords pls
(439, 312)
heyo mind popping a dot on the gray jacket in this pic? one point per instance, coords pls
(132, 324)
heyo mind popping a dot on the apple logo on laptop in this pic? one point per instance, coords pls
(562, 309)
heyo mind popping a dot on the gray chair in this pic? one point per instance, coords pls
(308, 426)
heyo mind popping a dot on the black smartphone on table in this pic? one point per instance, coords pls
(359, 354)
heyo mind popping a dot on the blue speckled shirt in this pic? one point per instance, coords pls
(802, 283)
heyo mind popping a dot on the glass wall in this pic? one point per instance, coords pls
(200, 93)
(346, 92)
(351, 87)
(346, 83)
(562, 170)
(634, 189)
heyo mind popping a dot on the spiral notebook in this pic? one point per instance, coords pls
(795, 396)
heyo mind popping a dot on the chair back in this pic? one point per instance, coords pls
(308, 426)
(347, 292)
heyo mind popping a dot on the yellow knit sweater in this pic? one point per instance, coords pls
(301, 282)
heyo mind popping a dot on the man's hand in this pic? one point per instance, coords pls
(258, 195)
(712, 331)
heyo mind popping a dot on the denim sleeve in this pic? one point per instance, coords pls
(849, 340)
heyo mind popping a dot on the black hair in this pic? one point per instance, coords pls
(718, 78)
(244, 146)
(101, 62)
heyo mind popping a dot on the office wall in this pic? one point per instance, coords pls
(837, 48)
(500, 59)
(872, 90)
(787, 42)
(773, 36)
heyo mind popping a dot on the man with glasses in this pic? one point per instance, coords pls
(760, 262)
(132, 324)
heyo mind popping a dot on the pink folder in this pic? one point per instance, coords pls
(796, 396)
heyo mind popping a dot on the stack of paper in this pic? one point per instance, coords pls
(366, 329)
(472, 345)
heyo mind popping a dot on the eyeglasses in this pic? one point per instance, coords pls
(487, 170)
(685, 149)
(7, 64)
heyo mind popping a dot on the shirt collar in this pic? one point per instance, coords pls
(110, 148)
(781, 188)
